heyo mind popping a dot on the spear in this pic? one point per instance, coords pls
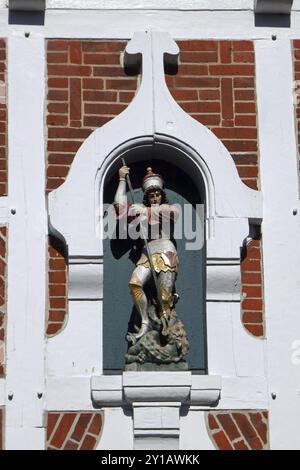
(144, 237)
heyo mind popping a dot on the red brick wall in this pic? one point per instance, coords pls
(73, 430)
(3, 263)
(3, 120)
(296, 55)
(215, 84)
(57, 276)
(238, 430)
(252, 289)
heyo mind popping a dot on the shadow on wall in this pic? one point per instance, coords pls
(276, 21)
(26, 17)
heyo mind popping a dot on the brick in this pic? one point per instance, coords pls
(252, 291)
(54, 45)
(232, 70)
(58, 82)
(57, 277)
(57, 57)
(57, 264)
(252, 317)
(197, 45)
(250, 265)
(53, 328)
(248, 431)
(184, 95)
(252, 304)
(89, 443)
(63, 145)
(197, 82)
(212, 423)
(247, 172)
(58, 95)
(75, 98)
(244, 95)
(120, 84)
(260, 426)
(193, 69)
(245, 120)
(58, 108)
(212, 95)
(68, 133)
(96, 424)
(51, 422)
(243, 57)
(57, 302)
(242, 45)
(235, 133)
(62, 430)
(60, 158)
(222, 441)
(252, 183)
(126, 96)
(244, 82)
(57, 315)
(241, 146)
(57, 290)
(96, 121)
(57, 120)
(101, 59)
(103, 46)
(92, 95)
(228, 426)
(70, 70)
(92, 84)
(75, 52)
(104, 108)
(255, 330)
(58, 171)
(70, 445)
(227, 98)
(196, 57)
(240, 445)
(225, 52)
(81, 426)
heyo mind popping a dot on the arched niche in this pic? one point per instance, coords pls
(184, 186)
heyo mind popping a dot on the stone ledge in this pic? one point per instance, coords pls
(169, 387)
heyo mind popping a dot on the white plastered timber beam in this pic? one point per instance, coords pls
(281, 236)
(26, 246)
(121, 24)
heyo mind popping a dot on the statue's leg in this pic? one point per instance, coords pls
(166, 282)
(138, 279)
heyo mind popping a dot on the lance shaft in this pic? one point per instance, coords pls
(144, 237)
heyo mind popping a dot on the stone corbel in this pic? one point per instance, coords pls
(156, 399)
(274, 7)
(27, 5)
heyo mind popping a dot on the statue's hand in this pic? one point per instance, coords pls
(123, 171)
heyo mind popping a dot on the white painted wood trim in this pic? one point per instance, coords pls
(281, 236)
(26, 294)
(151, 4)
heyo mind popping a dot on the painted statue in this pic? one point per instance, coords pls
(160, 342)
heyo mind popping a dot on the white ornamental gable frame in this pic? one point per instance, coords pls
(154, 119)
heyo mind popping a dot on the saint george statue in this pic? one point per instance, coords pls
(160, 342)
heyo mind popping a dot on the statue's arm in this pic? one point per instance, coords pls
(120, 201)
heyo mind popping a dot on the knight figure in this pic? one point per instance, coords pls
(160, 342)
